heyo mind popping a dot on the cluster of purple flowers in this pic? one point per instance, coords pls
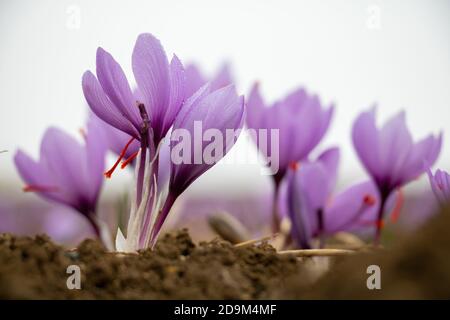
(137, 124)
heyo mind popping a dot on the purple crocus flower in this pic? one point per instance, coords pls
(314, 213)
(67, 172)
(390, 155)
(308, 188)
(299, 115)
(220, 112)
(195, 79)
(302, 123)
(440, 184)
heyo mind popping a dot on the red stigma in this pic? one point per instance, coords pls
(398, 206)
(369, 200)
(294, 165)
(109, 173)
(130, 159)
(38, 188)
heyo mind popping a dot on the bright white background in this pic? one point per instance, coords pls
(353, 53)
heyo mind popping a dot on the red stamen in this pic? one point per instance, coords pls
(122, 154)
(369, 200)
(130, 159)
(398, 206)
(440, 186)
(37, 188)
(294, 166)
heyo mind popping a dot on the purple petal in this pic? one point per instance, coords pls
(194, 80)
(190, 105)
(103, 107)
(299, 211)
(222, 79)
(366, 142)
(151, 70)
(354, 208)
(177, 93)
(330, 159)
(37, 174)
(222, 110)
(422, 156)
(314, 178)
(296, 100)
(66, 160)
(395, 145)
(326, 118)
(115, 85)
(306, 132)
(31, 171)
(255, 109)
(440, 184)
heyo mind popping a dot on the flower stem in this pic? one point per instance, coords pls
(152, 199)
(379, 221)
(94, 226)
(144, 132)
(170, 200)
(321, 227)
(141, 174)
(275, 214)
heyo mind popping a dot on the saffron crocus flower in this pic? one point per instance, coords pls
(390, 155)
(195, 79)
(302, 123)
(299, 115)
(315, 214)
(328, 160)
(309, 187)
(222, 113)
(67, 172)
(147, 114)
(440, 184)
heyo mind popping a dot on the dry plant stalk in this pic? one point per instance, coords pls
(254, 241)
(318, 252)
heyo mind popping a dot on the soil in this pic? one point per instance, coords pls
(418, 266)
(176, 269)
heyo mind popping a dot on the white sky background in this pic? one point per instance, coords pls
(328, 46)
